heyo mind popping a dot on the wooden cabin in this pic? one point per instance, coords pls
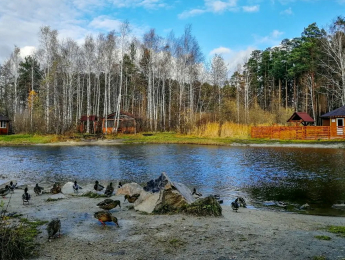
(5, 125)
(301, 118)
(127, 123)
(335, 121)
(94, 124)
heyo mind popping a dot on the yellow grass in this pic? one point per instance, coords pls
(226, 130)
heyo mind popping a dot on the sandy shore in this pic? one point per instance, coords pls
(247, 234)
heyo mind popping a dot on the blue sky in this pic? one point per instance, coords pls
(232, 28)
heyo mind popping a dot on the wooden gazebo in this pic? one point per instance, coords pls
(301, 118)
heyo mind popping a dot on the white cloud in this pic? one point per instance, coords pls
(105, 23)
(220, 50)
(233, 58)
(27, 50)
(191, 13)
(149, 4)
(218, 6)
(251, 9)
(271, 39)
(287, 11)
(20, 21)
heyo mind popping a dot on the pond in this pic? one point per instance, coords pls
(260, 174)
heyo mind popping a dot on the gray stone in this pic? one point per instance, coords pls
(163, 193)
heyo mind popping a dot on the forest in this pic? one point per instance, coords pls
(166, 82)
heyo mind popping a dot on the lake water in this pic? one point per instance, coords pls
(260, 174)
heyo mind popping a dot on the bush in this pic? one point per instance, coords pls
(17, 237)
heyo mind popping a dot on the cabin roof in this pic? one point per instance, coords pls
(301, 117)
(91, 118)
(4, 118)
(339, 112)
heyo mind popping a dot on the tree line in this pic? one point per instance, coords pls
(166, 82)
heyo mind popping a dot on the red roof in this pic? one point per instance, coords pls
(301, 117)
(91, 118)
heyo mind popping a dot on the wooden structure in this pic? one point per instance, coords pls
(301, 118)
(5, 125)
(332, 128)
(127, 123)
(94, 124)
(335, 121)
(291, 132)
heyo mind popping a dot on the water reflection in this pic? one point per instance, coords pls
(297, 175)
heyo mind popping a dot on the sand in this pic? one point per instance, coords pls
(246, 234)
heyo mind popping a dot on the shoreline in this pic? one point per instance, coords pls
(246, 234)
(340, 145)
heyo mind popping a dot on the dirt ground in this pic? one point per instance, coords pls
(247, 234)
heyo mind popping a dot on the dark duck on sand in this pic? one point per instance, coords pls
(132, 199)
(56, 188)
(76, 187)
(5, 191)
(109, 190)
(53, 227)
(38, 190)
(109, 204)
(26, 196)
(105, 216)
(97, 186)
(12, 186)
(235, 205)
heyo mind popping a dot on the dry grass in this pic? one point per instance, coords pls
(226, 130)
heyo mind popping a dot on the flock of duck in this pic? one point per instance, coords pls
(103, 216)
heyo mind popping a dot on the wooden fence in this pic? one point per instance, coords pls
(296, 132)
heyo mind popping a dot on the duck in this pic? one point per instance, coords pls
(12, 186)
(195, 193)
(26, 196)
(235, 205)
(98, 187)
(241, 202)
(133, 198)
(109, 204)
(216, 196)
(53, 227)
(109, 190)
(120, 185)
(38, 190)
(5, 191)
(56, 188)
(76, 187)
(105, 216)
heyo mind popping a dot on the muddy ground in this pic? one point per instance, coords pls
(246, 234)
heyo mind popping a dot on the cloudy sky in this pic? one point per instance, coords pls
(232, 28)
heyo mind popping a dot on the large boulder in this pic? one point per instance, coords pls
(162, 196)
(129, 189)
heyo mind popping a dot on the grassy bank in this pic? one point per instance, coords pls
(152, 138)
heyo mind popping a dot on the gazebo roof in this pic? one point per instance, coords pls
(339, 112)
(301, 117)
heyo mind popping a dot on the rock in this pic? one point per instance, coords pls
(305, 206)
(162, 195)
(129, 189)
(339, 206)
(68, 188)
(56, 196)
(208, 206)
